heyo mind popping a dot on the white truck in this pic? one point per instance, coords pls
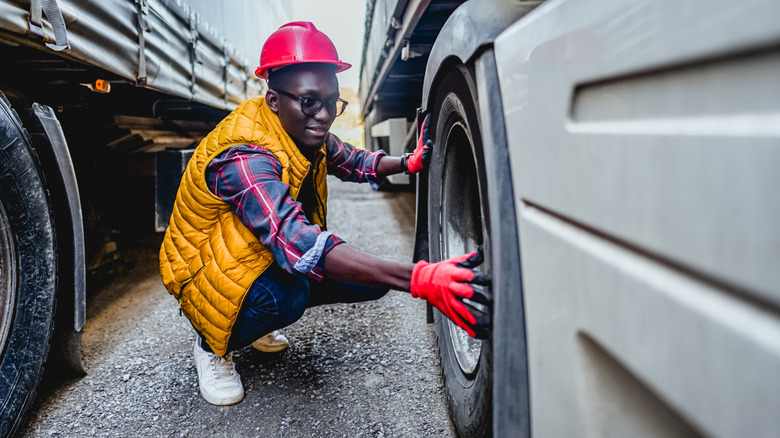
(101, 103)
(618, 161)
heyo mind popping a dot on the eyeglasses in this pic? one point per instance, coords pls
(311, 106)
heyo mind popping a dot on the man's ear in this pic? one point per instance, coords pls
(272, 100)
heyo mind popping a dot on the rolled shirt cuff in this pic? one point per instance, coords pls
(373, 179)
(311, 263)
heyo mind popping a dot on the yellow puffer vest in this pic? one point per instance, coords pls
(208, 258)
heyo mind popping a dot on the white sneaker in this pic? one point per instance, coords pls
(219, 382)
(273, 342)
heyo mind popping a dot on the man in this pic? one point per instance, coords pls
(247, 249)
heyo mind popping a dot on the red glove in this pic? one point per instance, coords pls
(445, 284)
(419, 158)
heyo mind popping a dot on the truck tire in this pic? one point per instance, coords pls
(457, 218)
(27, 271)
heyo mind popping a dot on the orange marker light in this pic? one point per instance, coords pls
(101, 86)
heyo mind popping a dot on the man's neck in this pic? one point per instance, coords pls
(309, 153)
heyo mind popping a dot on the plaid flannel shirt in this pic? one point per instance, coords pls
(248, 178)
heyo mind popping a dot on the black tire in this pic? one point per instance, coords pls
(27, 271)
(457, 223)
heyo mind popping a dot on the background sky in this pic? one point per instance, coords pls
(342, 20)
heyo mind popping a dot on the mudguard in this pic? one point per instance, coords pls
(463, 41)
(52, 150)
(474, 25)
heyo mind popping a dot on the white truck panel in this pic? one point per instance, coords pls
(615, 337)
(644, 143)
(641, 127)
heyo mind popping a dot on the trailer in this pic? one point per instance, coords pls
(617, 161)
(102, 103)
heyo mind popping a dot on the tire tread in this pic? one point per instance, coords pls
(35, 243)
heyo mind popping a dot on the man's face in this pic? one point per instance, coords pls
(308, 80)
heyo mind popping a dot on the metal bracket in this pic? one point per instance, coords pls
(226, 65)
(35, 28)
(408, 53)
(142, 10)
(195, 57)
(245, 79)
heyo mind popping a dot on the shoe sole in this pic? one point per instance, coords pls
(271, 349)
(221, 401)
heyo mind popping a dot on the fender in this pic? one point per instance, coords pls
(470, 30)
(474, 25)
(52, 150)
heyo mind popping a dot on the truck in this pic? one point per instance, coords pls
(101, 104)
(617, 160)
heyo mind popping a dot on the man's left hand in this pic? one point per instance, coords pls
(421, 155)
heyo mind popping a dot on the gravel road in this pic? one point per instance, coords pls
(353, 370)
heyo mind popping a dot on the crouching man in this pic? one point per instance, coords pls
(247, 249)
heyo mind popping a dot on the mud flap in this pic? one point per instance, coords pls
(52, 150)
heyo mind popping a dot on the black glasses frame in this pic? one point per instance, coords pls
(311, 106)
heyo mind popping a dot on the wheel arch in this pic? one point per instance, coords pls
(465, 43)
(511, 400)
(472, 26)
(421, 244)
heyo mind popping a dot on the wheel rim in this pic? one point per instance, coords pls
(461, 225)
(7, 278)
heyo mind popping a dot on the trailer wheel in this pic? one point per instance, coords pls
(27, 271)
(457, 219)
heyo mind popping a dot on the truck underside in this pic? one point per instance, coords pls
(100, 104)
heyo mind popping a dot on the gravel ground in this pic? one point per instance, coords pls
(356, 370)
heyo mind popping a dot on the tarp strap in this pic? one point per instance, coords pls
(38, 8)
(226, 65)
(246, 80)
(195, 57)
(142, 10)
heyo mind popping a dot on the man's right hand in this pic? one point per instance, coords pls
(447, 283)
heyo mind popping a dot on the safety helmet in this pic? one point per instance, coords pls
(296, 43)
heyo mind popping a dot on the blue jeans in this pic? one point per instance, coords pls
(278, 299)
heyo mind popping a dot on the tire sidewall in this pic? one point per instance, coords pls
(469, 396)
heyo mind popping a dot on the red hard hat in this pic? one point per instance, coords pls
(296, 43)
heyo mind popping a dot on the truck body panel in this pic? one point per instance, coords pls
(643, 146)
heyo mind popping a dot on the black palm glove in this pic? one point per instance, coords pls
(480, 303)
